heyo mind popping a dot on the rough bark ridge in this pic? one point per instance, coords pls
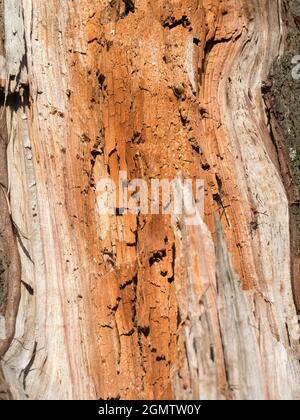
(143, 306)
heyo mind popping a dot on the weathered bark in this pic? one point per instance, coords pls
(144, 306)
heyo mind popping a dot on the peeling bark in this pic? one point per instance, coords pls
(144, 306)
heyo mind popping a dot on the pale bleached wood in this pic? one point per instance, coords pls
(126, 306)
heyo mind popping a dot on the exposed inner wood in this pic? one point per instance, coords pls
(143, 306)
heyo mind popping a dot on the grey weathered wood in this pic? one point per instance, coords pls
(15, 57)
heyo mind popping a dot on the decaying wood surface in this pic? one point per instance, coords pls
(144, 306)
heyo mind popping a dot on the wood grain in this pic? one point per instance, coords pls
(142, 306)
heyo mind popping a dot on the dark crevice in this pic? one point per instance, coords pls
(212, 354)
(101, 79)
(219, 183)
(120, 211)
(27, 286)
(144, 330)
(128, 283)
(194, 144)
(128, 334)
(172, 278)
(116, 398)
(129, 6)
(157, 256)
(178, 319)
(205, 166)
(27, 369)
(16, 100)
(97, 150)
(137, 138)
(288, 334)
(171, 22)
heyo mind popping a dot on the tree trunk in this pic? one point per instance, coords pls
(142, 305)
